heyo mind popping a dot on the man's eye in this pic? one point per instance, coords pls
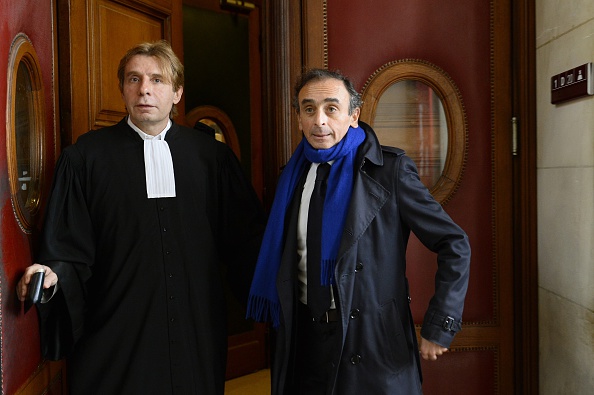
(158, 80)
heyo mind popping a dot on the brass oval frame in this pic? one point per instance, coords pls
(446, 90)
(22, 51)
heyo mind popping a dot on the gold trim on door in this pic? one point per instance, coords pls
(25, 130)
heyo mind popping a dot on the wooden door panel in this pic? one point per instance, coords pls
(460, 38)
(463, 371)
(165, 5)
(117, 28)
(94, 36)
(49, 378)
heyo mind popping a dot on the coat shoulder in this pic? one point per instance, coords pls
(392, 150)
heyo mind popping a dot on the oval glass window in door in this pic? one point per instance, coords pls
(24, 130)
(414, 105)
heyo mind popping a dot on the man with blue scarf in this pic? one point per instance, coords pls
(348, 329)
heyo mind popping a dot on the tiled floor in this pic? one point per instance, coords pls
(253, 384)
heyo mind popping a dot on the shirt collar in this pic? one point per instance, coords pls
(144, 136)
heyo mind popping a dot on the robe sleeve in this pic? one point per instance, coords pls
(244, 221)
(67, 246)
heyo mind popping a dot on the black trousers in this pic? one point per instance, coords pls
(315, 353)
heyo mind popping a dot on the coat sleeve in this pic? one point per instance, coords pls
(67, 246)
(438, 232)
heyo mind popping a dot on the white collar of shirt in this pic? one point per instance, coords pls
(158, 163)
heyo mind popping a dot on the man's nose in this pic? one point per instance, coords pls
(144, 88)
(321, 118)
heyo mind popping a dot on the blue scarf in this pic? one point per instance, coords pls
(263, 302)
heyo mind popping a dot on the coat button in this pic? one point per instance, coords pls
(358, 267)
(355, 313)
(355, 359)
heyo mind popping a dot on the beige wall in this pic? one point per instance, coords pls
(565, 175)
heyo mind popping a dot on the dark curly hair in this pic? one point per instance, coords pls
(323, 74)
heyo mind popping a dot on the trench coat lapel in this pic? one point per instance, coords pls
(367, 198)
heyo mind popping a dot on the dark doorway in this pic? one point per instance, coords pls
(222, 89)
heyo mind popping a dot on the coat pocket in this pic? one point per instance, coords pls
(397, 352)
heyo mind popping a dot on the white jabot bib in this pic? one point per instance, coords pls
(158, 164)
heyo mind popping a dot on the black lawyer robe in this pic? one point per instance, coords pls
(141, 307)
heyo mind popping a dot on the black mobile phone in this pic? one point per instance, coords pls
(36, 286)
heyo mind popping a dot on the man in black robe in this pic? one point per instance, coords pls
(143, 218)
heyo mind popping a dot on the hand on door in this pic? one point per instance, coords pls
(51, 279)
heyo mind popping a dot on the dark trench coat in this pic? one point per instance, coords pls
(379, 353)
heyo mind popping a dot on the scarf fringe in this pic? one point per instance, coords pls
(262, 309)
(327, 272)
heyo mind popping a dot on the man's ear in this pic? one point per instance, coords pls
(355, 117)
(178, 94)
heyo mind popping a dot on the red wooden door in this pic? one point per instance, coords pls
(28, 147)
(460, 38)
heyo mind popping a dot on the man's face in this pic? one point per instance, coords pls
(324, 112)
(148, 95)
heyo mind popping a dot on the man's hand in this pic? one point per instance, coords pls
(430, 351)
(51, 279)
